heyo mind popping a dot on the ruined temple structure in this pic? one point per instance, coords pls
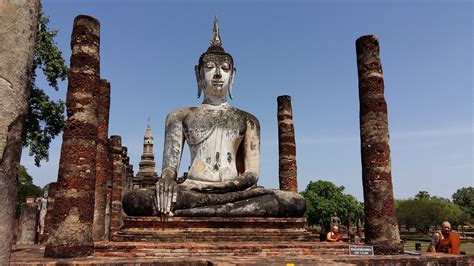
(86, 199)
(381, 226)
(98, 208)
(146, 176)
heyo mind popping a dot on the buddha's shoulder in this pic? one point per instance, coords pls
(250, 118)
(180, 113)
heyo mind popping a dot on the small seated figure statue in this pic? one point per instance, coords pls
(225, 154)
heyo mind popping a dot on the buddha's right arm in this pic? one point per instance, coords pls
(173, 147)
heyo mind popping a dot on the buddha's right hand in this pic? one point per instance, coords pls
(166, 193)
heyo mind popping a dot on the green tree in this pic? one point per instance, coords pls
(323, 199)
(25, 188)
(464, 197)
(424, 213)
(45, 118)
(422, 195)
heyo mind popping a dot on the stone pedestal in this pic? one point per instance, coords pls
(28, 222)
(73, 211)
(213, 229)
(286, 145)
(381, 227)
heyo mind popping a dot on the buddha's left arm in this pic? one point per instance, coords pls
(251, 148)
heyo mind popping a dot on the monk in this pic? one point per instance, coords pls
(334, 235)
(224, 143)
(445, 241)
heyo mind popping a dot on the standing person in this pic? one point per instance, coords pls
(334, 235)
(445, 241)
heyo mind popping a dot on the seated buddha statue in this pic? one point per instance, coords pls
(224, 143)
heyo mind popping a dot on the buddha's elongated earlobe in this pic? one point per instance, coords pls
(234, 71)
(198, 80)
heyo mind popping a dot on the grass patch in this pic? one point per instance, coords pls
(466, 247)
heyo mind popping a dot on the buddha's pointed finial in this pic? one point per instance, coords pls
(216, 37)
(149, 122)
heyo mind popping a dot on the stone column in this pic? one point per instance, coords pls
(48, 220)
(117, 184)
(74, 201)
(381, 227)
(28, 222)
(102, 163)
(18, 29)
(286, 145)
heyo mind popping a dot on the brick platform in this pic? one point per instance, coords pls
(33, 255)
(209, 249)
(214, 229)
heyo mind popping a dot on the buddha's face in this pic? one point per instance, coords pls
(217, 71)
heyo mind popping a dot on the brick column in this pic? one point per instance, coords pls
(48, 220)
(28, 222)
(286, 145)
(117, 184)
(381, 227)
(102, 164)
(73, 211)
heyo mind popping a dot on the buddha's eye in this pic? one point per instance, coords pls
(210, 64)
(225, 66)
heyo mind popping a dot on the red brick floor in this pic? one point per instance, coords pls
(33, 255)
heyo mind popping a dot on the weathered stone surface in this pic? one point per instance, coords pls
(117, 184)
(19, 24)
(102, 161)
(286, 145)
(255, 202)
(73, 211)
(381, 227)
(28, 223)
(224, 143)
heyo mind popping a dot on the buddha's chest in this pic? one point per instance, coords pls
(214, 125)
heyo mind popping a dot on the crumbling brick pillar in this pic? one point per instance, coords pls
(286, 145)
(381, 227)
(48, 220)
(102, 161)
(73, 211)
(28, 222)
(117, 184)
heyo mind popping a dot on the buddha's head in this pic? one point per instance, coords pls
(215, 71)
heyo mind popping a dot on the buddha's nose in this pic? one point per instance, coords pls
(218, 73)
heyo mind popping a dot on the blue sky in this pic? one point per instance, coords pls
(305, 49)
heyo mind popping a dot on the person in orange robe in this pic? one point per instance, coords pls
(334, 235)
(445, 241)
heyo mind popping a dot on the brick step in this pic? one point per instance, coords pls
(126, 238)
(212, 236)
(165, 250)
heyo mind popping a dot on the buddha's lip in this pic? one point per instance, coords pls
(217, 82)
